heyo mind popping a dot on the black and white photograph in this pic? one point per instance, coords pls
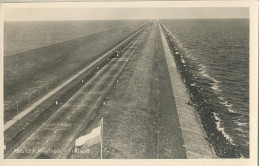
(129, 80)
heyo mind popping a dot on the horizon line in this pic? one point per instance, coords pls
(131, 19)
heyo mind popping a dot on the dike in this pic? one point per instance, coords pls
(222, 146)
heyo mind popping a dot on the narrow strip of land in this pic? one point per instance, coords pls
(140, 116)
(171, 144)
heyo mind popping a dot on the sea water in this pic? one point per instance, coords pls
(217, 53)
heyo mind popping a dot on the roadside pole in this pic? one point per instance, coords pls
(101, 145)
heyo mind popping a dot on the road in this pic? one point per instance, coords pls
(11, 122)
(140, 116)
(56, 136)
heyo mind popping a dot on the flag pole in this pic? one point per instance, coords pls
(101, 146)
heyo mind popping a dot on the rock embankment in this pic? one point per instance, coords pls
(222, 146)
(193, 133)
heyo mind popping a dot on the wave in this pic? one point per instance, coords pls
(221, 129)
(182, 59)
(241, 124)
(216, 87)
(225, 103)
(239, 121)
(214, 82)
(240, 130)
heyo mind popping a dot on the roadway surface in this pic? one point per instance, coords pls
(11, 122)
(140, 116)
(56, 136)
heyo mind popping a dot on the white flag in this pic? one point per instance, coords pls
(90, 139)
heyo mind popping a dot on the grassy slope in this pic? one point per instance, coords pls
(30, 74)
(24, 36)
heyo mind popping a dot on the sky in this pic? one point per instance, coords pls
(115, 13)
(19, 1)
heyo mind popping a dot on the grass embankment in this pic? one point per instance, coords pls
(30, 75)
(23, 36)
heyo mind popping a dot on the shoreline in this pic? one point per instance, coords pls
(222, 146)
(192, 129)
